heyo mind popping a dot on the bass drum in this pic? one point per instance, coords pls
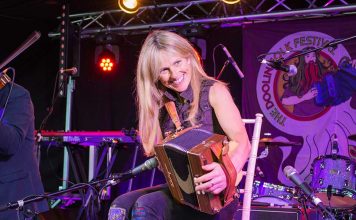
(270, 194)
(334, 176)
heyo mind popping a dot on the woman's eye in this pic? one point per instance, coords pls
(164, 71)
(177, 62)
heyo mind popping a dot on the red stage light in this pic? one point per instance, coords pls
(107, 61)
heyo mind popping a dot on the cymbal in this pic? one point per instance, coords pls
(269, 142)
(352, 137)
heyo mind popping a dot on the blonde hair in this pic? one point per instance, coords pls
(148, 89)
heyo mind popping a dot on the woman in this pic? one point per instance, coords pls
(299, 90)
(169, 69)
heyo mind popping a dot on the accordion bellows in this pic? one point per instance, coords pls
(181, 157)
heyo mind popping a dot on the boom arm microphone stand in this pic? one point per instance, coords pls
(332, 43)
(28, 42)
(112, 180)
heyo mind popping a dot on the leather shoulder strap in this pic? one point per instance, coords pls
(220, 150)
(172, 111)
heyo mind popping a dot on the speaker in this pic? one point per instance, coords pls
(273, 213)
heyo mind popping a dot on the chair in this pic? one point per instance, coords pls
(246, 206)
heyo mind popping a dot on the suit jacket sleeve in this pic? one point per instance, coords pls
(16, 121)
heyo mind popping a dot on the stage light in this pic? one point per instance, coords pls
(107, 61)
(128, 6)
(107, 53)
(231, 2)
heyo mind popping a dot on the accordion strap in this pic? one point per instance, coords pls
(221, 152)
(172, 111)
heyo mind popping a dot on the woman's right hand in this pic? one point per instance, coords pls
(312, 93)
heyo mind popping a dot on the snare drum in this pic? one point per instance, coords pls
(339, 173)
(274, 195)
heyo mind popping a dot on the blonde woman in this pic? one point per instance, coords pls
(169, 69)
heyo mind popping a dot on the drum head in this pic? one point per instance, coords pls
(273, 201)
(337, 171)
(336, 201)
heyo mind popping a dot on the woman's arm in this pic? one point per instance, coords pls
(230, 120)
(293, 100)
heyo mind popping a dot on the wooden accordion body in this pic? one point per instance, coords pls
(181, 157)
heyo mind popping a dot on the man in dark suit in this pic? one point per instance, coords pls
(19, 172)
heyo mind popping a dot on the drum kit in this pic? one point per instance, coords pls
(333, 182)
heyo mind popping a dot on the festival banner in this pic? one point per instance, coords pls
(313, 108)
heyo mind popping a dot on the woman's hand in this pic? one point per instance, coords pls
(213, 181)
(312, 93)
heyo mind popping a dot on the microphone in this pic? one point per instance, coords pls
(293, 175)
(291, 70)
(70, 71)
(233, 62)
(147, 165)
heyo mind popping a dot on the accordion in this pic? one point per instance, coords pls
(181, 157)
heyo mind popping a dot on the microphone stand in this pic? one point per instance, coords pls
(332, 44)
(110, 181)
(303, 198)
(223, 68)
(27, 43)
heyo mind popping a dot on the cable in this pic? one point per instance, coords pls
(53, 101)
(351, 117)
(343, 130)
(50, 162)
(305, 209)
(214, 62)
(310, 151)
(85, 202)
(344, 127)
(8, 96)
(315, 144)
(329, 142)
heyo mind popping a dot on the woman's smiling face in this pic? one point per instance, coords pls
(175, 71)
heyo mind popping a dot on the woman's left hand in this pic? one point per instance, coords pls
(213, 181)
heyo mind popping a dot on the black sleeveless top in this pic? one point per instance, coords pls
(205, 116)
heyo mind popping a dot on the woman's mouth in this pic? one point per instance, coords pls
(178, 81)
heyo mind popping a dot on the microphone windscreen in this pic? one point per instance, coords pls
(292, 70)
(289, 170)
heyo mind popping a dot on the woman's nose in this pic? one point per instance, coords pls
(173, 71)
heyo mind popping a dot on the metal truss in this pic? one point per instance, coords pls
(206, 12)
